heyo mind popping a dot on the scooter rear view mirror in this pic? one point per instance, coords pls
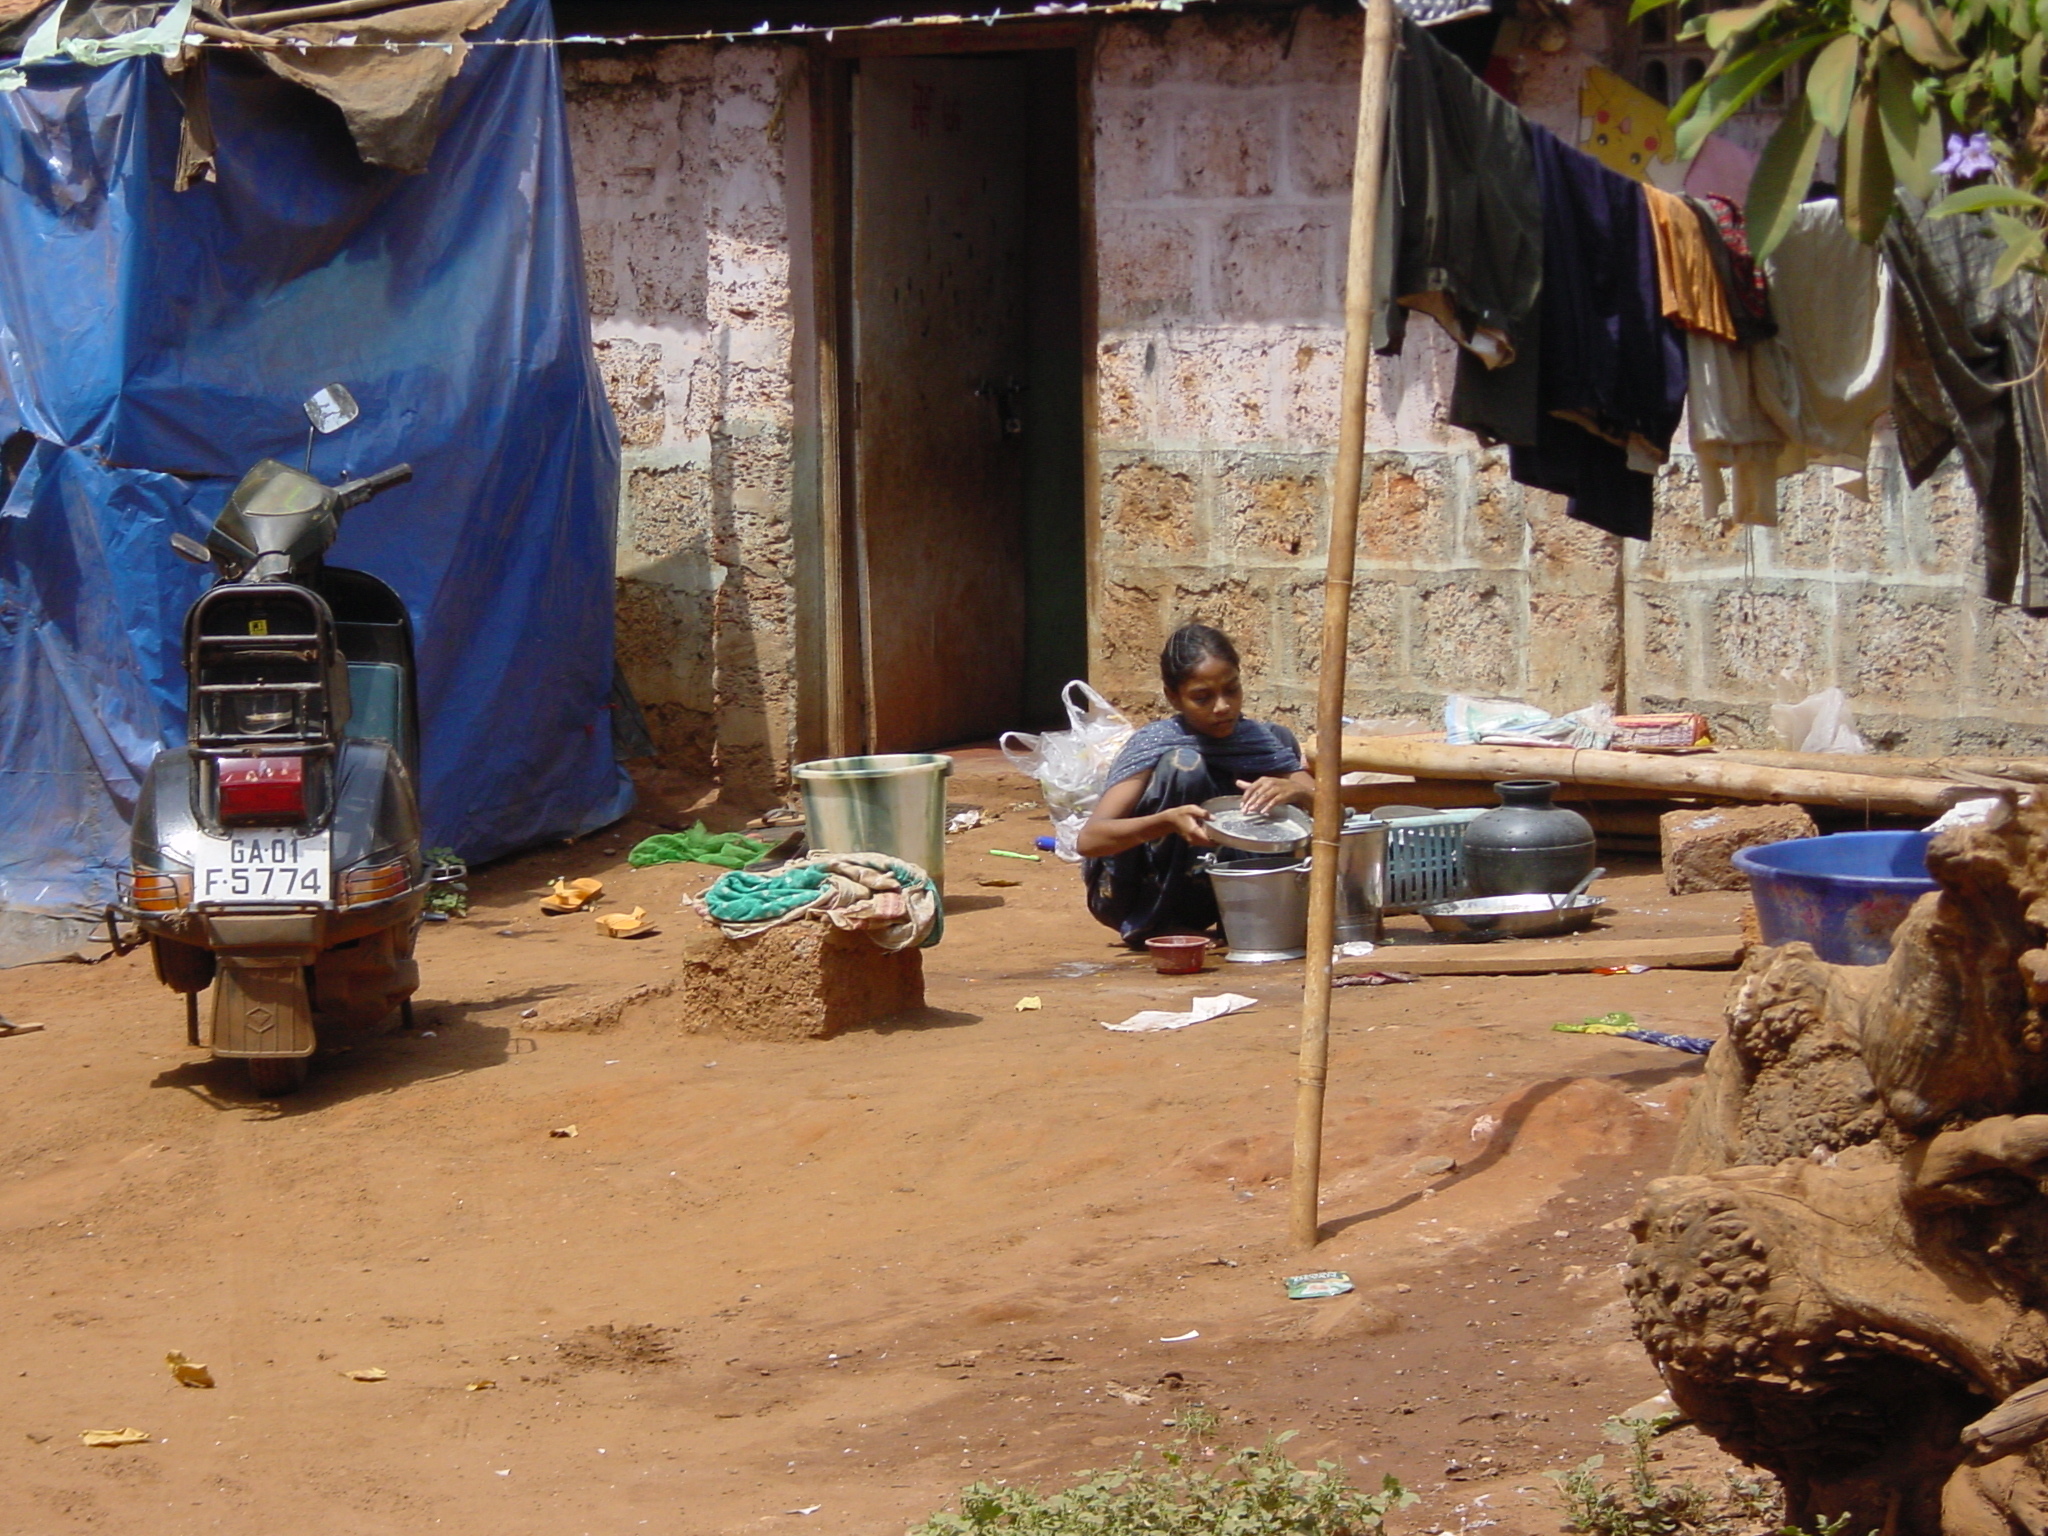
(332, 408)
(185, 547)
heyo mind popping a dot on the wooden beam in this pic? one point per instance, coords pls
(1700, 775)
(1559, 956)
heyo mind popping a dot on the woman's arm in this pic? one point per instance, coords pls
(1268, 794)
(1112, 829)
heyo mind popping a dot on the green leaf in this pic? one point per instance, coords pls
(1720, 26)
(1978, 199)
(1722, 96)
(2024, 246)
(1912, 133)
(1924, 37)
(1868, 14)
(2030, 64)
(2004, 74)
(1783, 173)
(2019, 19)
(1866, 169)
(1642, 8)
(1831, 82)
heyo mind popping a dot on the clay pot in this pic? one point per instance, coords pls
(1177, 954)
(1527, 845)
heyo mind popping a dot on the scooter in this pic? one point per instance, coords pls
(276, 854)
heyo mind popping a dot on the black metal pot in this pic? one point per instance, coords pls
(1528, 844)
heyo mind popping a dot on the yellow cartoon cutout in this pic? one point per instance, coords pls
(1623, 128)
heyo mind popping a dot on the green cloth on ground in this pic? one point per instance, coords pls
(743, 898)
(727, 850)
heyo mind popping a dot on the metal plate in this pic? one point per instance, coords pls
(1283, 831)
(261, 868)
(1500, 917)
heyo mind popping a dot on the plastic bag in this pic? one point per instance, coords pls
(1071, 765)
(1506, 722)
(1820, 722)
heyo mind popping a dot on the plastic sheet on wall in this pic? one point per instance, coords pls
(154, 344)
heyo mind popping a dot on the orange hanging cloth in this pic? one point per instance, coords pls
(1687, 285)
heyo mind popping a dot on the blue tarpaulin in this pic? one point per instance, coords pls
(156, 343)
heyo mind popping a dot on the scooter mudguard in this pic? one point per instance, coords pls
(261, 1010)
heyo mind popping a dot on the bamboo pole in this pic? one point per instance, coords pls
(1304, 1192)
(1704, 774)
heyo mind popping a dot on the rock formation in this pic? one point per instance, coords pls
(1845, 1279)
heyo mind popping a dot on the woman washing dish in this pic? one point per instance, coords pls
(1139, 846)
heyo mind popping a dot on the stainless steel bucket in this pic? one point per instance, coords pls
(1361, 881)
(1264, 902)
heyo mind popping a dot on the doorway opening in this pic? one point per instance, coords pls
(964, 338)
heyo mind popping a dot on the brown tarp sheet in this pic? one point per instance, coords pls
(391, 99)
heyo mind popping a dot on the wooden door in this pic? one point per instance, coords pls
(939, 314)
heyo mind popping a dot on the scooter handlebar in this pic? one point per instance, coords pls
(356, 492)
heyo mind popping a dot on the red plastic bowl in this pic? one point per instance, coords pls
(1177, 954)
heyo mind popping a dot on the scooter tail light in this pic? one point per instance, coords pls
(152, 892)
(270, 789)
(379, 882)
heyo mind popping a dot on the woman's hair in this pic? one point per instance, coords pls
(1187, 648)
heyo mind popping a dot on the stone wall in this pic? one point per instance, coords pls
(1223, 152)
(683, 186)
(1222, 148)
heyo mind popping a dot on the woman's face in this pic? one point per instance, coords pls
(1210, 698)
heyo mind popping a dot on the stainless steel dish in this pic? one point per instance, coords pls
(1284, 831)
(1512, 917)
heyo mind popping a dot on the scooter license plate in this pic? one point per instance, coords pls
(262, 866)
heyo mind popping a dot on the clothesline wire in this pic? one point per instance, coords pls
(285, 38)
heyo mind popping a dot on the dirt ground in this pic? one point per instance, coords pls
(817, 1286)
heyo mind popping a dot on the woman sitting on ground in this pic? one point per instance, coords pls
(1139, 845)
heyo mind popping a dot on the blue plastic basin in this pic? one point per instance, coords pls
(1843, 894)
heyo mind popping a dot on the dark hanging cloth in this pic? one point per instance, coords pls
(1461, 233)
(1611, 374)
(1742, 280)
(1956, 343)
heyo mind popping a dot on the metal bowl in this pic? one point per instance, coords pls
(1230, 826)
(1516, 917)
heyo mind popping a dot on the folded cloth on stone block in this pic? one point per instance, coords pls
(892, 902)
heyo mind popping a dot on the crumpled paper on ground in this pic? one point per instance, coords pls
(1204, 1009)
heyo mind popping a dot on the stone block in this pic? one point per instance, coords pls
(1662, 639)
(1322, 133)
(1123, 367)
(1468, 635)
(668, 510)
(1243, 610)
(805, 980)
(1149, 504)
(1406, 515)
(1699, 846)
(1146, 266)
(1760, 635)
(1130, 148)
(632, 376)
(1276, 266)
(1314, 374)
(1218, 386)
(1275, 505)
(1132, 51)
(1574, 650)
(1224, 147)
(1904, 649)
(1233, 47)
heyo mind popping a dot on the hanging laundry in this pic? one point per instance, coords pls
(1809, 395)
(1748, 294)
(1460, 233)
(1689, 287)
(1611, 371)
(1961, 344)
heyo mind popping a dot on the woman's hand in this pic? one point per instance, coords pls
(1190, 821)
(1262, 797)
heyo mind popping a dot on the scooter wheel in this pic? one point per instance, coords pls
(274, 1076)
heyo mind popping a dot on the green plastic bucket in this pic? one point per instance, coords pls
(894, 804)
